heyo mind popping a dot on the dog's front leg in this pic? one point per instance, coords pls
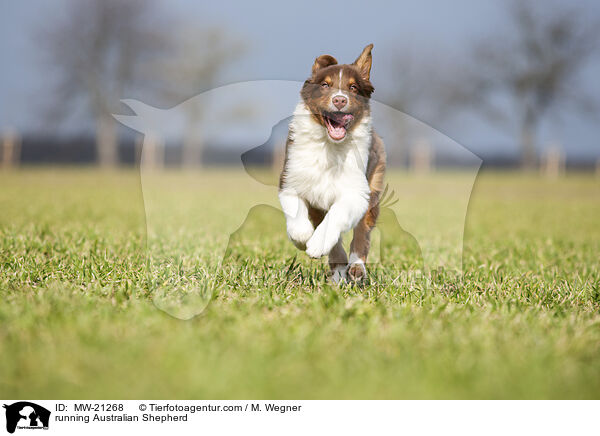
(299, 227)
(343, 215)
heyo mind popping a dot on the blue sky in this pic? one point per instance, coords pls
(283, 38)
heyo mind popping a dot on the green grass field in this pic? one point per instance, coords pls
(77, 318)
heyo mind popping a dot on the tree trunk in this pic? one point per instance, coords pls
(192, 148)
(10, 150)
(106, 141)
(193, 143)
(528, 150)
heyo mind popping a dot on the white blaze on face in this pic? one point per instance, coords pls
(337, 122)
(340, 92)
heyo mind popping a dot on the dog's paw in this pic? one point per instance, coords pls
(338, 275)
(299, 232)
(321, 243)
(357, 270)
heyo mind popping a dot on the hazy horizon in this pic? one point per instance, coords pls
(280, 48)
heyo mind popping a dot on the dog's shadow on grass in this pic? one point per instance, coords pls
(261, 244)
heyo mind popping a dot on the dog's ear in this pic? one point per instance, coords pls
(322, 62)
(364, 61)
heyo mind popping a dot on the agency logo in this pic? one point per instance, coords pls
(26, 415)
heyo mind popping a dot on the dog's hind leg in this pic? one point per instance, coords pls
(338, 262)
(361, 242)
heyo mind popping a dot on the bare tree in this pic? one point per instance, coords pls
(523, 76)
(192, 66)
(103, 49)
(419, 79)
(97, 51)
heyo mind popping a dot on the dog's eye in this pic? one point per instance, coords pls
(324, 85)
(353, 88)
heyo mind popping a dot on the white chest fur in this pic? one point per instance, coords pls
(322, 171)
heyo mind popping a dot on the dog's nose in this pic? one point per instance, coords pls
(339, 101)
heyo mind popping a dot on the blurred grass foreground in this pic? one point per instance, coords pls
(77, 318)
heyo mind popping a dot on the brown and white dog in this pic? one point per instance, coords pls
(334, 166)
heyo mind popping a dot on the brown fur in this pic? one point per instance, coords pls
(361, 241)
(356, 81)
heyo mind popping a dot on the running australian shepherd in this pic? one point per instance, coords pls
(334, 166)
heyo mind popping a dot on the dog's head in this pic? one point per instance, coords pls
(338, 95)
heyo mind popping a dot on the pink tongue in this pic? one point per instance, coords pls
(336, 133)
(347, 117)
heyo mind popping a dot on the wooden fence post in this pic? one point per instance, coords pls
(278, 157)
(11, 149)
(421, 157)
(553, 162)
(137, 150)
(153, 152)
